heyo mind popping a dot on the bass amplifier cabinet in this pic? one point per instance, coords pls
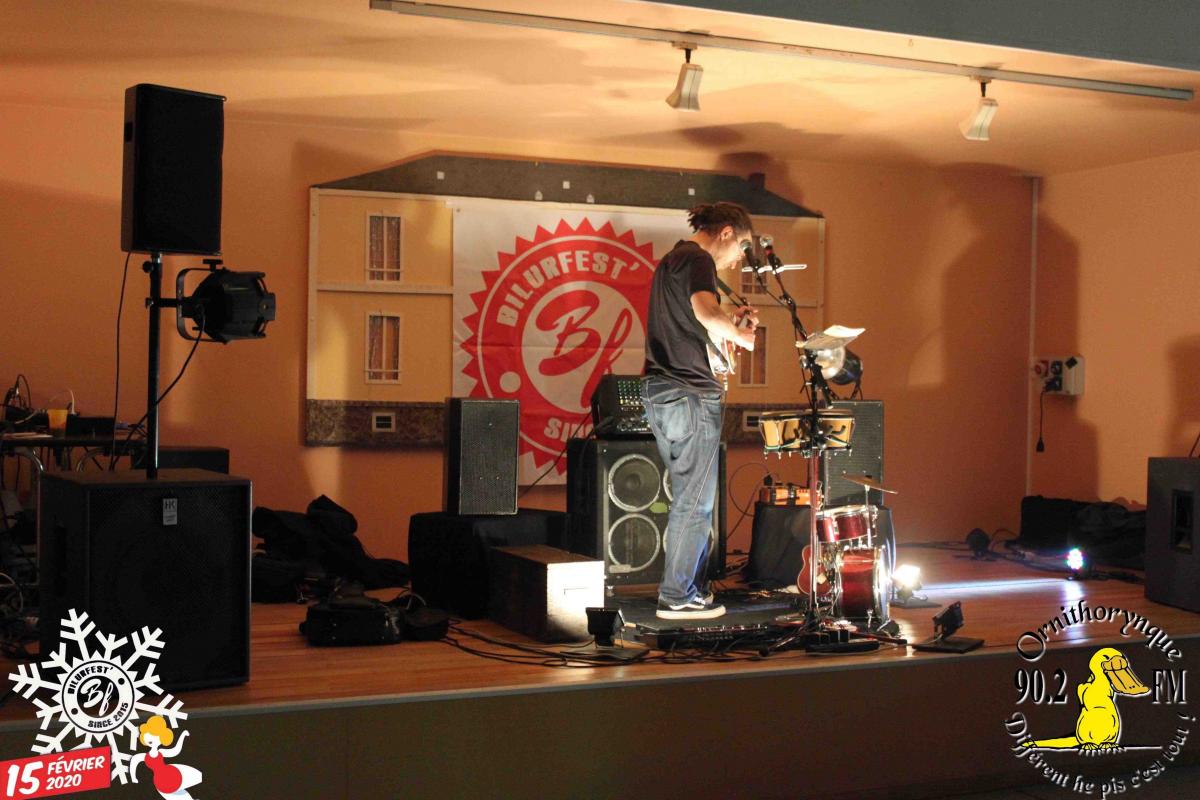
(171, 553)
(1173, 532)
(171, 191)
(865, 457)
(618, 499)
(481, 456)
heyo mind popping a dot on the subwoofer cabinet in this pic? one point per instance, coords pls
(618, 500)
(170, 553)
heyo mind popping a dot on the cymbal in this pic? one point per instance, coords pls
(870, 483)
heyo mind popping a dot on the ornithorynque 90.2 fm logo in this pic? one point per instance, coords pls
(1127, 714)
(98, 701)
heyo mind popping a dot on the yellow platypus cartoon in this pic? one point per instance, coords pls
(1099, 723)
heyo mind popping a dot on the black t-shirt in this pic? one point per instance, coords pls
(675, 339)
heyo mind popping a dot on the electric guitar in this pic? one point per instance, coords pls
(722, 352)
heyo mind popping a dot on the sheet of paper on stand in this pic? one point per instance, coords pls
(832, 337)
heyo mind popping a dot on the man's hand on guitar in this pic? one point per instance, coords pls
(746, 320)
(742, 314)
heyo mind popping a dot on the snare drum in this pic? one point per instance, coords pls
(864, 586)
(790, 430)
(844, 524)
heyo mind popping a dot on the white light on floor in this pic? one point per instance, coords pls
(908, 576)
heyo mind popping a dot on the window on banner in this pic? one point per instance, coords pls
(749, 284)
(752, 365)
(383, 248)
(383, 348)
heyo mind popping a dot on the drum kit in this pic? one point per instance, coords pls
(849, 578)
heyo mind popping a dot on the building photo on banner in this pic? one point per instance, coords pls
(513, 399)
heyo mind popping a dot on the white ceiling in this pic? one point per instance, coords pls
(339, 63)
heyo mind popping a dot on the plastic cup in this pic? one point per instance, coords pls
(57, 421)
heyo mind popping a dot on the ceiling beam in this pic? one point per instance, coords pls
(570, 25)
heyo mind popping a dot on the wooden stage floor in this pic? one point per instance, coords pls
(1000, 600)
(432, 684)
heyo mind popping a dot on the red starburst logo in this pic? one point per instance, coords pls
(558, 312)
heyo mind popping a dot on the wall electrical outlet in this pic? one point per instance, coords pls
(1060, 375)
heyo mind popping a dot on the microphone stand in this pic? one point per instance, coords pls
(818, 391)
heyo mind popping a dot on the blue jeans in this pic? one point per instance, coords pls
(687, 427)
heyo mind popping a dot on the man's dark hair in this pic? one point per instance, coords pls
(712, 217)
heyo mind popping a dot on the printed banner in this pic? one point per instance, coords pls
(545, 302)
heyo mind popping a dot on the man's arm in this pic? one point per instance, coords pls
(708, 312)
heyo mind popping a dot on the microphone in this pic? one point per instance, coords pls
(751, 258)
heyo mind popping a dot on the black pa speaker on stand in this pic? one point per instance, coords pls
(171, 191)
(170, 553)
(481, 456)
(618, 500)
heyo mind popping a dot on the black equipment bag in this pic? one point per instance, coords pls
(347, 621)
(324, 537)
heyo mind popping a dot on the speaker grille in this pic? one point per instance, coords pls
(618, 502)
(865, 457)
(171, 197)
(633, 482)
(481, 456)
(107, 551)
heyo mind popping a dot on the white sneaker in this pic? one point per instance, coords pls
(693, 609)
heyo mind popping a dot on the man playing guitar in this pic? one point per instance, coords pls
(683, 398)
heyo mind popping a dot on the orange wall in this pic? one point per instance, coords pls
(1118, 258)
(933, 263)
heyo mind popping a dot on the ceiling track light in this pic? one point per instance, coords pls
(686, 96)
(421, 9)
(975, 127)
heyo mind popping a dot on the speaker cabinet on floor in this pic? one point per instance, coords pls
(1173, 532)
(481, 456)
(171, 553)
(865, 456)
(171, 192)
(618, 500)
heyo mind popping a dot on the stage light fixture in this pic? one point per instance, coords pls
(975, 127)
(227, 305)
(944, 626)
(686, 96)
(839, 365)
(1079, 565)
(907, 579)
(604, 623)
